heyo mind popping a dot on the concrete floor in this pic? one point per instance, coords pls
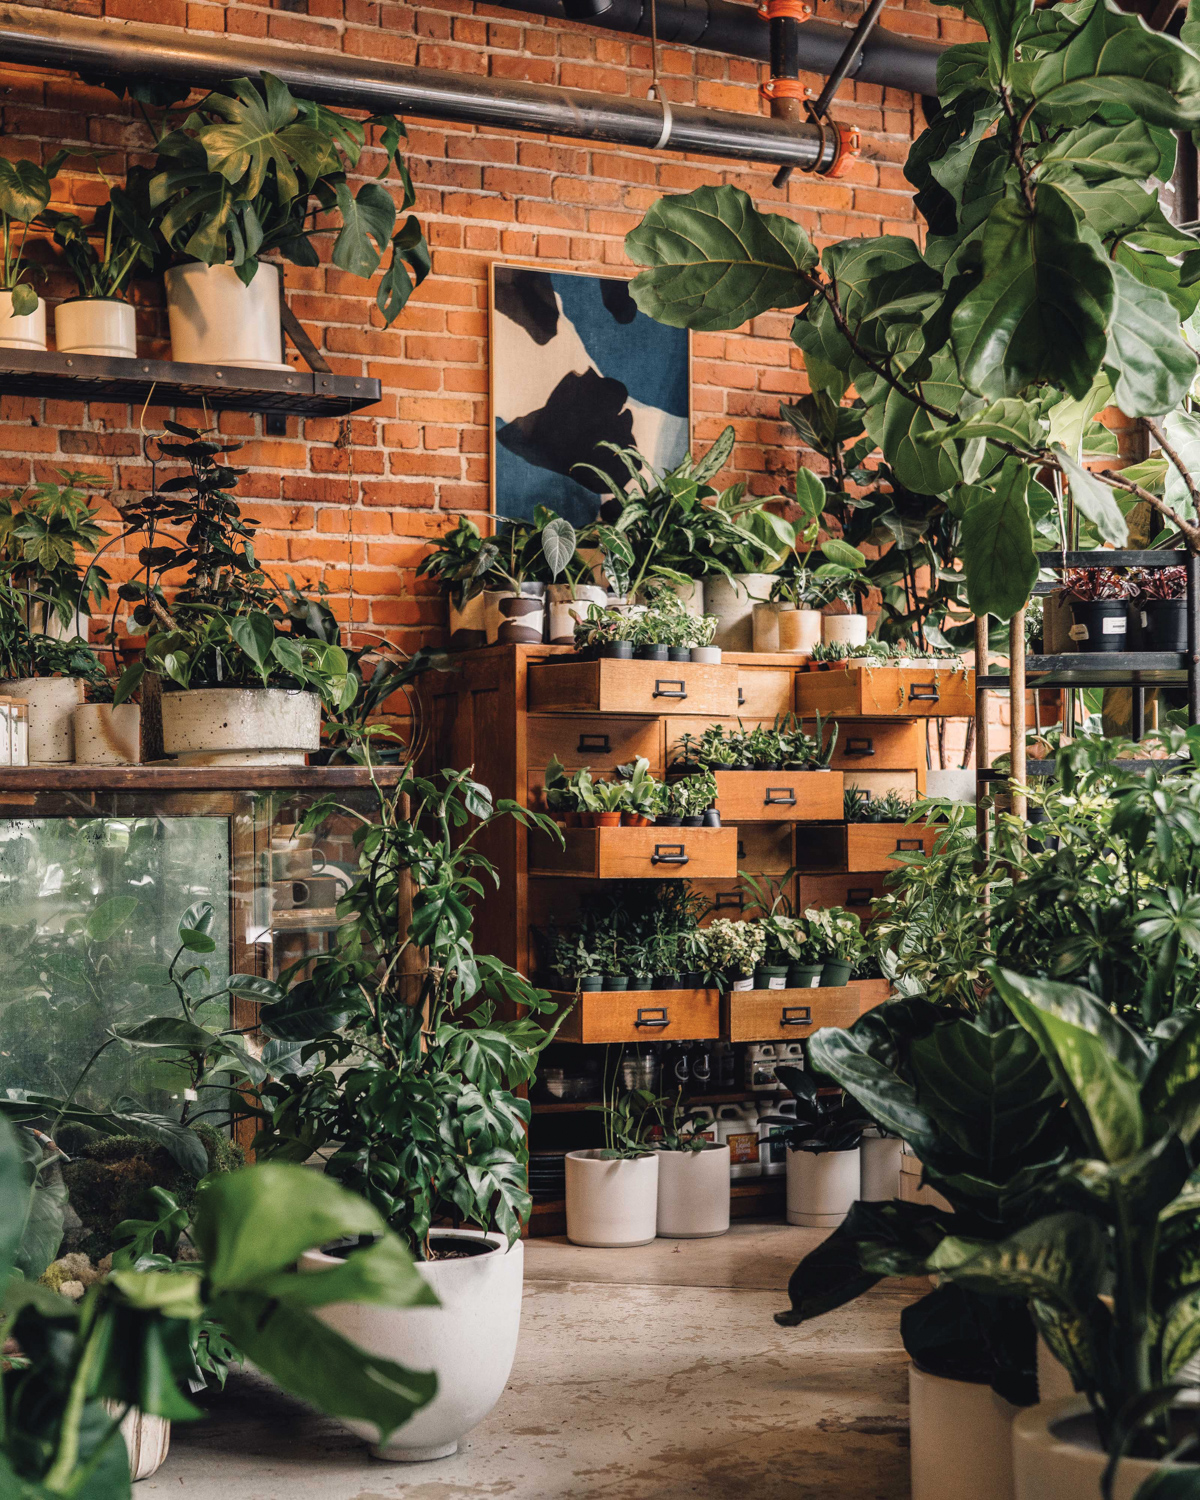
(648, 1374)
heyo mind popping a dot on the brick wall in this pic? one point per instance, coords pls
(353, 503)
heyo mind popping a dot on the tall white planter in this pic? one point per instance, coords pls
(880, 1168)
(147, 1440)
(611, 1204)
(52, 703)
(469, 1341)
(733, 601)
(241, 726)
(107, 735)
(569, 604)
(25, 332)
(468, 624)
(693, 1193)
(844, 630)
(216, 320)
(96, 325)
(961, 1440)
(1056, 1455)
(822, 1186)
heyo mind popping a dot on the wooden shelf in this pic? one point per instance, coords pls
(166, 776)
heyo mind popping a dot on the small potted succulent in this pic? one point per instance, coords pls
(1163, 601)
(735, 950)
(1099, 603)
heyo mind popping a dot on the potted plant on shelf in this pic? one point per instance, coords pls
(42, 529)
(569, 602)
(642, 792)
(24, 194)
(606, 632)
(460, 561)
(100, 319)
(791, 619)
(612, 1192)
(836, 934)
(613, 800)
(693, 1176)
(1163, 602)
(662, 959)
(1099, 603)
(50, 675)
(546, 545)
(700, 642)
(735, 949)
(251, 170)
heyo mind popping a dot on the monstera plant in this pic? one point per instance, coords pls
(1050, 286)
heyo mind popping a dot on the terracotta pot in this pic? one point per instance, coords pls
(607, 819)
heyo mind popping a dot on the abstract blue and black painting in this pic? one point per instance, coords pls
(575, 364)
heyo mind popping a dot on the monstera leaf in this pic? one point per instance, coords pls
(715, 261)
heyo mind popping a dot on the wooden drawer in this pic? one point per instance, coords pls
(764, 848)
(900, 692)
(640, 1016)
(632, 687)
(792, 1015)
(779, 796)
(764, 692)
(878, 745)
(726, 898)
(854, 892)
(870, 846)
(581, 741)
(880, 783)
(637, 853)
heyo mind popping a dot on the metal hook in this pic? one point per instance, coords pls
(668, 118)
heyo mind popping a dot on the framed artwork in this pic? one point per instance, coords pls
(575, 364)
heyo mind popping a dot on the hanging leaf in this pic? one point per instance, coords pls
(409, 266)
(1151, 367)
(558, 545)
(996, 538)
(24, 190)
(1183, 430)
(110, 917)
(1094, 500)
(370, 216)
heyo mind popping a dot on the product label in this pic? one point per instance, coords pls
(1113, 626)
(743, 1148)
(743, 984)
(1078, 632)
(777, 1143)
(777, 982)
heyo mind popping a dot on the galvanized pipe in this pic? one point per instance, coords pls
(131, 49)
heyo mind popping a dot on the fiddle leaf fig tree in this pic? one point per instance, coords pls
(1050, 286)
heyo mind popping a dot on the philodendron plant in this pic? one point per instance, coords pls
(1050, 285)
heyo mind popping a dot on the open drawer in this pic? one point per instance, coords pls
(637, 853)
(792, 1015)
(779, 796)
(640, 1016)
(609, 686)
(907, 692)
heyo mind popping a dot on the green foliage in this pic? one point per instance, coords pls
(122, 227)
(42, 528)
(24, 195)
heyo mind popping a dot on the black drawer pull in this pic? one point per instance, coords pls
(859, 895)
(780, 796)
(596, 742)
(907, 844)
(741, 854)
(670, 687)
(919, 692)
(730, 898)
(863, 745)
(669, 854)
(653, 1015)
(796, 1015)
(741, 698)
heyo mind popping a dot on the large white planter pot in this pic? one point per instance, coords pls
(822, 1186)
(611, 1204)
(880, 1169)
(1053, 1382)
(961, 1440)
(569, 604)
(1056, 1455)
(844, 630)
(468, 624)
(693, 1193)
(469, 1341)
(147, 1440)
(241, 726)
(215, 320)
(52, 702)
(733, 601)
(26, 332)
(96, 325)
(106, 735)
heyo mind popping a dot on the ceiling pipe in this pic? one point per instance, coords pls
(131, 49)
(898, 62)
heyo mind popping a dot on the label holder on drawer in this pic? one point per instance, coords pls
(796, 1015)
(653, 1016)
(724, 899)
(669, 854)
(860, 745)
(597, 743)
(923, 692)
(670, 687)
(907, 846)
(780, 796)
(860, 895)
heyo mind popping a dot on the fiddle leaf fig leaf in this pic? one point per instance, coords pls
(1183, 430)
(997, 542)
(1151, 367)
(1095, 500)
(1098, 152)
(1010, 419)
(715, 262)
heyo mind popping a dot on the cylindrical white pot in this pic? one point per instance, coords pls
(147, 1440)
(52, 703)
(216, 320)
(1056, 1455)
(27, 332)
(569, 604)
(955, 782)
(961, 1440)
(96, 325)
(765, 627)
(468, 624)
(611, 1204)
(822, 1186)
(733, 601)
(880, 1169)
(844, 630)
(799, 630)
(44, 620)
(241, 726)
(693, 1193)
(469, 1341)
(108, 735)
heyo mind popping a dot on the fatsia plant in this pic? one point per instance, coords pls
(1050, 285)
(42, 529)
(977, 1104)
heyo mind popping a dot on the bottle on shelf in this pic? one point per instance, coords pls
(724, 1068)
(701, 1062)
(737, 1127)
(761, 1058)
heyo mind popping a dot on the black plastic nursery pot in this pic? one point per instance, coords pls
(616, 982)
(1166, 624)
(711, 818)
(692, 980)
(664, 981)
(640, 982)
(620, 650)
(591, 982)
(651, 653)
(667, 820)
(803, 976)
(1100, 625)
(679, 653)
(764, 974)
(835, 972)
(693, 820)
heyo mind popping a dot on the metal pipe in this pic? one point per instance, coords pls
(898, 62)
(125, 49)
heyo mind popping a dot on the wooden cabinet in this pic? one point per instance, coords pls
(578, 740)
(764, 692)
(779, 796)
(632, 687)
(637, 853)
(606, 1016)
(792, 1015)
(872, 846)
(908, 692)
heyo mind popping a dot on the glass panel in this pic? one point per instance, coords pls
(90, 910)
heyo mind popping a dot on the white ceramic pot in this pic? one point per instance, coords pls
(569, 604)
(956, 783)
(26, 332)
(880, 1168)
(241, 726)
(469, 1341)
(765, 627)
(216, 320)
(43, 620)
(52, 703)
(96, 325)
(147, 1440)
(707, 654)
(733, 601)
(844, 630)
(961, 1440)
(1053, 1382)
(106, 735)
(1056, 1455)
(611, 1204)
(693, 1193)
(822, 1186)
(468, 624)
